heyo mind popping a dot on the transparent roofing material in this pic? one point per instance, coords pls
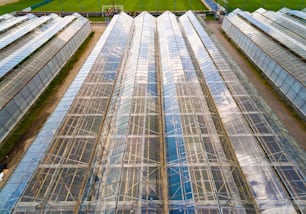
(289, 30)
(298, 14)
(63, 149)
(31, 25)
(126, 166)
(12, 60)
(199, 173)
(281, 55)
(295, 46)
(5, 17)
(11, 192)
(273, 198)
(20, 76)
(18, 26)
(19, 43)
(283, 13)
(257, 121)
(156, 122)
(292, 26)
(9, 23)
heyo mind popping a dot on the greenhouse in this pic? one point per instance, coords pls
(276, 44)
(156, 121)
(294, 14)
(32, 51)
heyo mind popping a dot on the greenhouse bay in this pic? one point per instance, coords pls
(157, 121)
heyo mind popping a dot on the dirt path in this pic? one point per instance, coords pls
(48, 107)
(4, 2)
(294, 125)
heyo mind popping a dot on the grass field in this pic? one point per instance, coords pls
(129, 5)
(267, 4)
(151, 5)
(96, 5)
(17, 6)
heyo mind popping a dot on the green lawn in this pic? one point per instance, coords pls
(129, 5)
(96, 5)
(151, 5)
(17, 6)
(267, 4)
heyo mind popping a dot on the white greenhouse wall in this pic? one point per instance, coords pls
(282, 80)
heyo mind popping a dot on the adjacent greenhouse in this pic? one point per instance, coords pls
(157, 121)
(32, 51)
(276, 44)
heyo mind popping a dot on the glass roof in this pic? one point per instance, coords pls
(84, 134)
(5, 17)
(12, 60)
(283, 13)
(9, 23)
(236, 130)
(295, 46)
(297, 13)
(16, 80)
(281, 55)
(157, 121)
(8, 39)
(292, 26)
(235, 124)
(280, 27)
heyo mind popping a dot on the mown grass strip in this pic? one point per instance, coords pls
(150, 5)
(129, 5)
(17, 6)
(267, 4)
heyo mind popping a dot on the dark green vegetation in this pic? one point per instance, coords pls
(150, 5)
(96, 5)
(129, 5)
(35, 117)
(17, 6)
(267, 4)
